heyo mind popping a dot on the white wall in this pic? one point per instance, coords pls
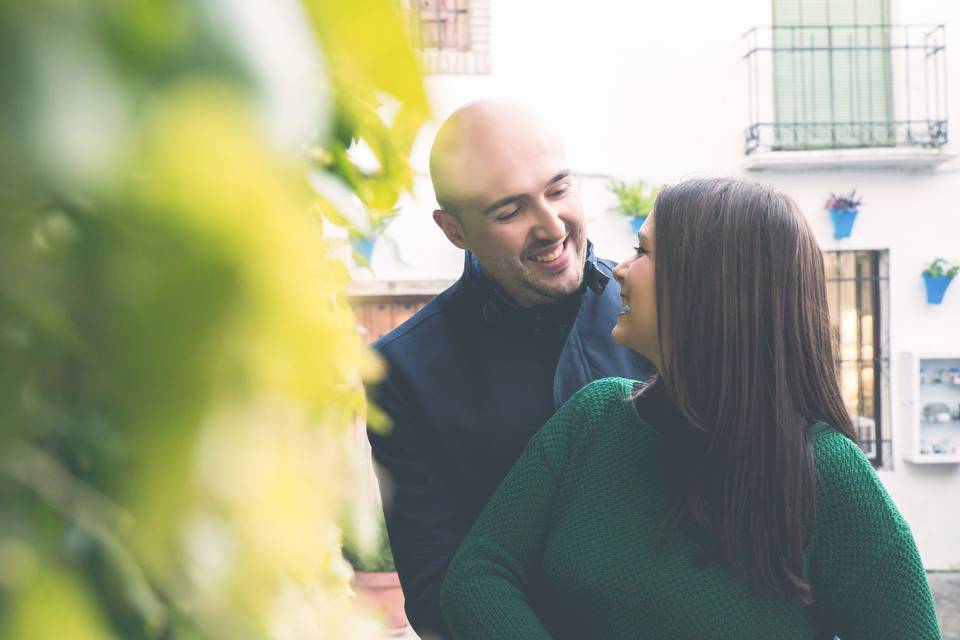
(658, 91)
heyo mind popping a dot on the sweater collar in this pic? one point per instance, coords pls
(663, 416)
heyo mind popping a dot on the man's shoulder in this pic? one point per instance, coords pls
(423, 325)
(607, 262)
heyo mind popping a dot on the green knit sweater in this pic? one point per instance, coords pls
(569, 546)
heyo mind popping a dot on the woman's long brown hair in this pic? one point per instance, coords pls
(746, 356)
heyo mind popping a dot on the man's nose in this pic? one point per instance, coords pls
(549, 224)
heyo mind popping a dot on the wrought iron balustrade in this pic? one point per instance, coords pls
(846, 86)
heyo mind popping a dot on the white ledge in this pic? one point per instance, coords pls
(903, 159)
(391, 288)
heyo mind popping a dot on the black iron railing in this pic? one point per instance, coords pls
(846, 86)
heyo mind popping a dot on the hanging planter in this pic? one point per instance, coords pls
(635, 200)
(843, 211)
(937, 277)
(364, 245)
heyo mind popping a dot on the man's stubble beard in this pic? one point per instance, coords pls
(544, 292)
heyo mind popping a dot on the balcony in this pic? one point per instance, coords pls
(863, 96)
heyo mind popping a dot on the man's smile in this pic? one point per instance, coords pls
(554, 257)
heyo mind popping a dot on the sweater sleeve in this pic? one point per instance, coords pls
(486, 591)
(868, 580)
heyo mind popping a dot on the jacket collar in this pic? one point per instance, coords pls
(497, 307)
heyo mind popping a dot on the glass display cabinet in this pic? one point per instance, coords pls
(931, 397)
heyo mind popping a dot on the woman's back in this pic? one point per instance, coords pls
(578, 525)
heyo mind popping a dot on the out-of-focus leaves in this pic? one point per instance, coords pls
(179, 370)
(380, 99)
(53, 604)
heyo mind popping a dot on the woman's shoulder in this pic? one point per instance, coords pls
(601, 393)
(835, 452)
(607, 401)
(837, 458)
(847, 484)
(600, 404)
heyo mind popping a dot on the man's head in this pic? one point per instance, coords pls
(507, 195)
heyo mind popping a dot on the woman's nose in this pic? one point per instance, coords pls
(619, 271)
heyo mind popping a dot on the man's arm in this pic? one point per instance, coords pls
(425, 520)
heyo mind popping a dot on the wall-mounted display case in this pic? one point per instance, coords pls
(931, 398)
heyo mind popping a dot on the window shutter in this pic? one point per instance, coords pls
(832, 74)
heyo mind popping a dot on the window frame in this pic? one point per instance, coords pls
(877, 282)
(473, 59)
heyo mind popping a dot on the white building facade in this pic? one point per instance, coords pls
(828, 95)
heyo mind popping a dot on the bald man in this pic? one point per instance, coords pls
(481, 368)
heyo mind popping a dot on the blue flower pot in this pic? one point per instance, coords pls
(842, 222)
(364, 246)
(637, 222)
(936, 287)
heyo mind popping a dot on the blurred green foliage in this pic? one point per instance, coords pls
(179, 370)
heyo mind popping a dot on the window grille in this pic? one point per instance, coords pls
(858, 296)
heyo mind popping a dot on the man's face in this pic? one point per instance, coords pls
(523, 220)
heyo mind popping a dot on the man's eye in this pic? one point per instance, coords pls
(503, 217)
(561, 191)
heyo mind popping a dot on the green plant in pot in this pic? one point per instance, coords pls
(635, 200)
(375, 579)
(843, 210)
(377, 558)
(937, 277)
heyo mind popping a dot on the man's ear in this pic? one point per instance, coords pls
(451, 228)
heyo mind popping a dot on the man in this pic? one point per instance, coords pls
(478, 371)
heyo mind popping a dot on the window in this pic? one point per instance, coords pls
(444, 24)
(858, 295)
(832, 74)
(452, 36)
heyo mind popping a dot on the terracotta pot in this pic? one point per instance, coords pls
(380, 592)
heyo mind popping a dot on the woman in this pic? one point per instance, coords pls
(727, 499)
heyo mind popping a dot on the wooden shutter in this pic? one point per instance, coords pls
(379, 316)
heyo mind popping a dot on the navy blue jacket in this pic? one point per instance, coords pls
(471, 378)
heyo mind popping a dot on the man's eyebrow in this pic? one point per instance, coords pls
(563, 175)
(502, 202)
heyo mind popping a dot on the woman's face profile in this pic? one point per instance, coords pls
(637, 321)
